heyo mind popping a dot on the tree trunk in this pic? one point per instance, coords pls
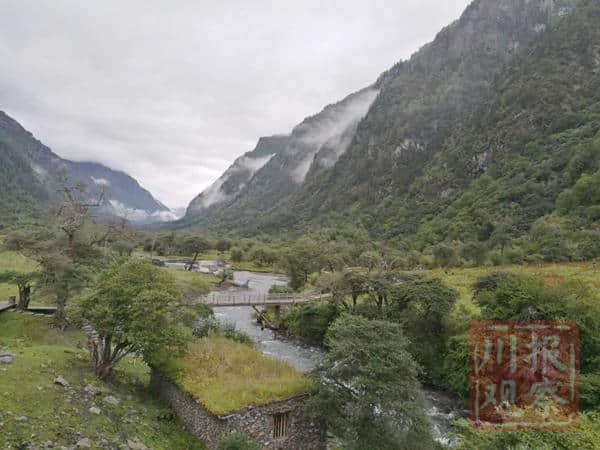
(380, 302)
(24, 297)
(103, 370)
(104, 357)
(191, 265)
(61, 317)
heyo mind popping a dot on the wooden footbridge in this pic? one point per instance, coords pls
(240, 299)
(11, 304)
(276, 301)
(6, 305)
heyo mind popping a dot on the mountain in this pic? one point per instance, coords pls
(30, 171)
(235, 178)
(481, 130)
(279, 164)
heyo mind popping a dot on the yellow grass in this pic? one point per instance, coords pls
(194, 284)
(225, 376)
(463, 279)
(13, 261)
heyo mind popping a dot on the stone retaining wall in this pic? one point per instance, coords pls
(257, 421)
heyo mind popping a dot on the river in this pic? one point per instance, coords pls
(440, 408)
(303, 358)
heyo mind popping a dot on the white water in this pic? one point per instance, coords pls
(303, 358)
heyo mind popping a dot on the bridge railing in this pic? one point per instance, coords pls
(232, 299)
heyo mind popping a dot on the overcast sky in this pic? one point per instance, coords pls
(173, 91)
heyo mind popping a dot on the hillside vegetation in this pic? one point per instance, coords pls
(486, 140)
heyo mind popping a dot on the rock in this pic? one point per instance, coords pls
(7, 358)
(61, 381)
(21, 419)
(112, 400)
(135, 445)
(91, 390)
(84, 443)
(95, 410)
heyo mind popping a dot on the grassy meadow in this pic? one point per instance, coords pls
(36, 410)
(224, 375)
(13, 261)
(462, 279)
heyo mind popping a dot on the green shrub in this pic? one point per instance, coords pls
(238, 441)
(456, 366)
(211, 327)
(237, 255)
(280, 289)
(309, 321)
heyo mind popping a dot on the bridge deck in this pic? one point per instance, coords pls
(235, 299)
(5, 305)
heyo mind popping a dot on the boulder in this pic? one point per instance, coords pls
(135, 445)
(61, 381)
(7, 358)
(91, 390)
(112, 400)
(84, 443)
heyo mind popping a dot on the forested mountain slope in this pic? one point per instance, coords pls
(413, 111)
(20, 190)
(526, 163)
(30, 171)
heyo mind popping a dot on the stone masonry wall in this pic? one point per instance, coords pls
(255, 421)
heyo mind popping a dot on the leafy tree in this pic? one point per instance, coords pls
(368, 393)
(474, 251)
(68, 249)
(237, 255)
(422, 306)
(501, 236)
(456, 365)
(263, 256)
(371, 260)
(127, 298)
(444, 255)
(223, 245)
(310, 321)
(356, 284)
(24, 282)
(331, 257)
(301, 261)
(193, 246)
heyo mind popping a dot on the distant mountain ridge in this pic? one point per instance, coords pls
(34, 183)
(281, 163)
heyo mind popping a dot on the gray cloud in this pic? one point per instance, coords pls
(173, 92)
